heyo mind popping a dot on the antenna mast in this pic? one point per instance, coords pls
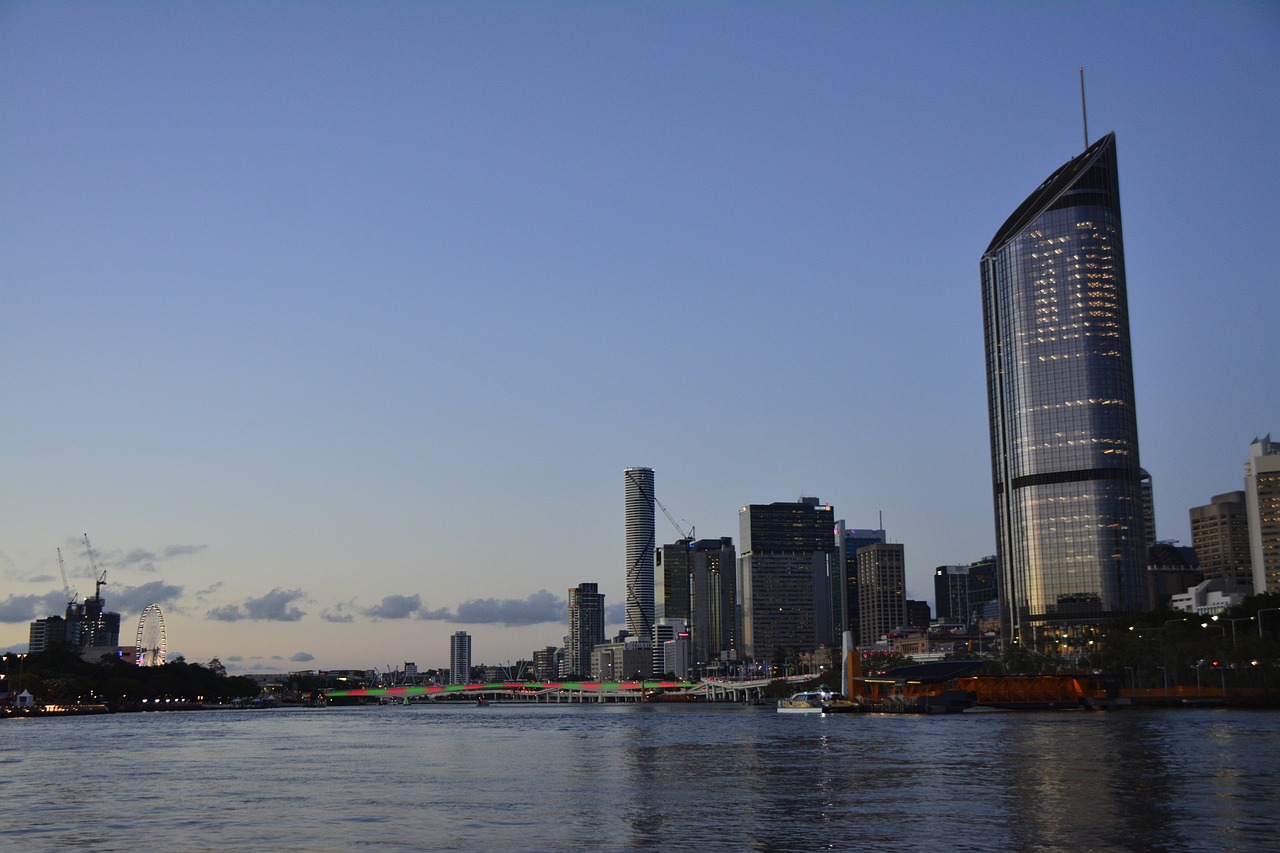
(1084, 113)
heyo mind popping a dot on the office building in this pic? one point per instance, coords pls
(713, 608)
(696, 583)
(546, 663)
(460, 658)
(1262, 503)
(845, 582)
(586, 628)
(960, 592)
(1068, 494)
(882, 590)
(672, 575)
(1220, 537)
(785, 578)
(641, 546)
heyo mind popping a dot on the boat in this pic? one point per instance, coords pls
(838, 703)
(809, 702)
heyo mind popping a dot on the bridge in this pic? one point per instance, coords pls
(710, 689)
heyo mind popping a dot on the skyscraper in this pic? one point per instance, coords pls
(845, 578)
(1064, 435)
(1262, 502)
(882, 590)
(586, 627)
(785, 572)
(1220, 537)
(641, 545)
(460, 658)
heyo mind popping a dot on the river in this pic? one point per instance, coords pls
(641, 777)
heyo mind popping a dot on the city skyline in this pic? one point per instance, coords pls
(333, 326)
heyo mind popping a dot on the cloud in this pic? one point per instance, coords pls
(275, 606)
(395, 607)
(135, 557)
(302, 657)
(340, 612)
(145, 560)
(24, 608)
(540, 607)
(615, 614)
(440, 614)
(134, 599)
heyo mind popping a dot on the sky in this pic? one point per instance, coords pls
(334, 325)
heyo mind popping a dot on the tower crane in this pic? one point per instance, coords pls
(67, 591)
(98, 581)
(674, 523)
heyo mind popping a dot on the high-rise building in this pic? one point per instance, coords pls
(586, 627)
(951, 593)
(785, 578)
(1064, 435)
(1220, 537)
(882, 590)
(845, 582)
(696, 584)
(1262, 503)
(672, 574)
(641, 546)
(460, 658)
(546, 663)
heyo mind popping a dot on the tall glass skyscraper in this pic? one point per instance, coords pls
(641, 546)
(1064, 434)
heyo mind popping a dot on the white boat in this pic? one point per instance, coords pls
(802, 703)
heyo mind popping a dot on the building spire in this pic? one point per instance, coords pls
(1084, 113)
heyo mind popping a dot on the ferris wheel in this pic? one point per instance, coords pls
(150, 645)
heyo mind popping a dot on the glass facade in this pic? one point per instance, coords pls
(1064, 436)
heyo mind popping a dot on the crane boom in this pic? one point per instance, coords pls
(672, 519)
(99, 581)
(67, 591)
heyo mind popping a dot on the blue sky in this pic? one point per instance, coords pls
(335, 325)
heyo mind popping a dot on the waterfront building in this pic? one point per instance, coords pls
(785, 578)
(546, 663)
(586, 628)
(951, 593)
(919, 614)
(697, 583)
(960, 592)
(460, 658)
(1262, 503)
(85, 625)
(625, 658)
(672, 574)
(713, 609)
(641, 547)
(1068, 494)
(1148, 507)
(675, 656)
(845, 582)
(1220, 537)
(882, 590)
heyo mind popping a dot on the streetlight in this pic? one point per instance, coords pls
(1222, 628)
(22, 659)
(1233, 622)
(1259, 617)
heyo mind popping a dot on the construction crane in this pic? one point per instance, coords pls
(674, 523)
(67, 591)
(98, 581)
